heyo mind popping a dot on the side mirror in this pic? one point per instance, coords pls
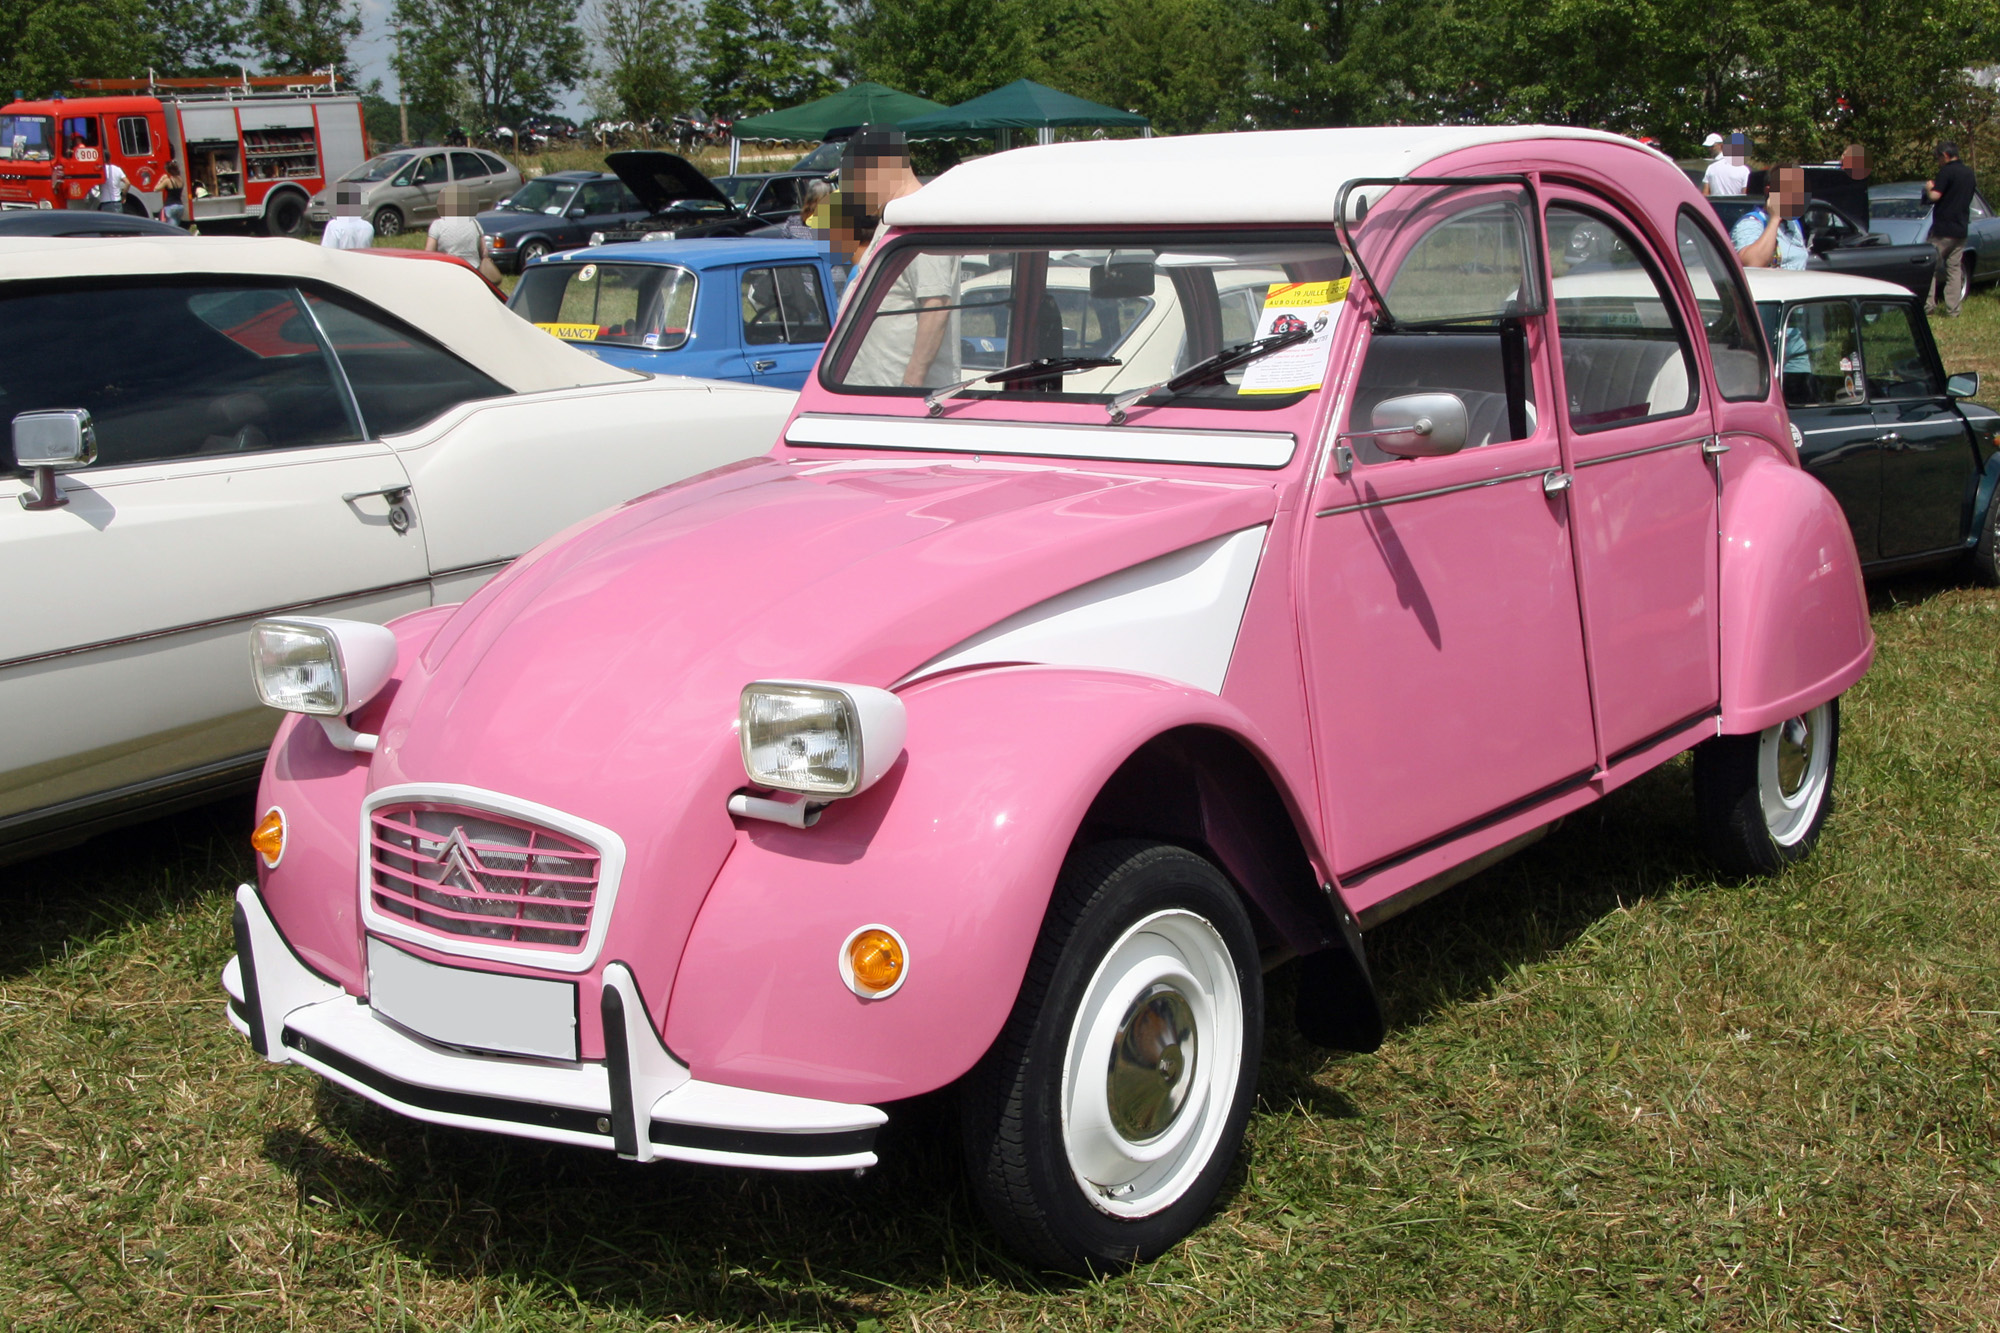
(1965, 384)
(576, 213)
(1118, 279)
(1417, 425)
(45, 441)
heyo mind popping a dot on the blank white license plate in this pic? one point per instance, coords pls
(485, 1011)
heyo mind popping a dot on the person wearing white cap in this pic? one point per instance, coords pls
(1729, 173)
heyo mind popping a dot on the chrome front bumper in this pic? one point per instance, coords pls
(294, 1016)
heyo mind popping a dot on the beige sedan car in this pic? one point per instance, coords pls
(401, 189)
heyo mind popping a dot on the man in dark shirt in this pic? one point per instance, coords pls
(1950, 193)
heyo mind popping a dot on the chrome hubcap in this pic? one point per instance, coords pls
(1792, 774)
(1152, 1064)
(1795, 748)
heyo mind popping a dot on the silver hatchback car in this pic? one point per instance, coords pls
(401, 189)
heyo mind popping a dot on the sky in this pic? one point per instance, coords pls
(371, 52)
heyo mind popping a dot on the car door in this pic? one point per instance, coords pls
(784, 323)
(470, 170)
(427, 180)
(1826, 395)
(1929, 463)
(604, 204)
(1635, 425)
(233, 479)
(1983, 239)
(1443, 636)
(1840, 246)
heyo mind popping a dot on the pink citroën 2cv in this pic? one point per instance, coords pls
(1151, 586)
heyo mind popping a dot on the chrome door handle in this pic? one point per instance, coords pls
(1713, 446)
(1555, 482)
(762, 365)
(393, 494)
(1892, 439)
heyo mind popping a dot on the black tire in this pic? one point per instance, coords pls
(284, 214)
(531, 250)
(1761, 800)
(388, 221)
(1118, 907)
(1986, 554)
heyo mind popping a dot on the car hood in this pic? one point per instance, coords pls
(599, 674)
(663, 179)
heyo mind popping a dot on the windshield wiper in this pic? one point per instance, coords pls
(1040, 368)
(1208, 369)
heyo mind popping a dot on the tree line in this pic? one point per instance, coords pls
(1803, 77)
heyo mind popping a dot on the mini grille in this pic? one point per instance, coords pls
(478, 875)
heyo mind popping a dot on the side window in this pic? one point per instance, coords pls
(1468, 264)
(1896, 365)
(783, 305)
(1742, 368)
(430, 171)
(228, 369)
(602, 197)
(1624, 356)
(468, 166)
(1979, 209)
(400, 378)
(494, 166)
(781, 195)
(80, 138)
(135, 139)
(1822, 364)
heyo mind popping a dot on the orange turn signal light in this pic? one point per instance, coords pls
(269, 839)
(875, 961)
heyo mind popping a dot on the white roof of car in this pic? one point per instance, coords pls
(1262, 176)
(1813, 284)
(442, 300)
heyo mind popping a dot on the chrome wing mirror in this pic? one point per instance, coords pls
(61, 438)
(1416, 425)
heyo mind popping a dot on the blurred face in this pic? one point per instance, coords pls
(1854, 161)
(347, 203)
(1788, 192)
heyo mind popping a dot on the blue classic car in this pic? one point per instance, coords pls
(755, 311)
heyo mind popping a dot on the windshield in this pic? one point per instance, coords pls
(542, 196)
(624, 305)
(826, 157)
(26, 137)
(1145, 308)
(1879, 207)
(379, 168)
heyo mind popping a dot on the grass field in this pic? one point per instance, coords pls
(1619, 1094)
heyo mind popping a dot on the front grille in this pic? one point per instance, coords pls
(478, 875)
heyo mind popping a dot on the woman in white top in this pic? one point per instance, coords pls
(455, 232)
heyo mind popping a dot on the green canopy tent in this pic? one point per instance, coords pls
(1021, 105)
(850, 108)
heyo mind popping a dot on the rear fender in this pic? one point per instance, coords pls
(957, 849)
(1795, 627)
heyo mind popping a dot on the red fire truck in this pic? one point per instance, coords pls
(251, 149)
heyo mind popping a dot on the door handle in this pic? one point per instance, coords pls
(1713, 446)
(399, 517)
(1892, 439)
(762, 365)
(1555, 482)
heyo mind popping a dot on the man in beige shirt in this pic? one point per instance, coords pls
(912, 339)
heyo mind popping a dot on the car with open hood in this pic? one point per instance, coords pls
(1841, 244)
(553, 213)
(680, 202)
(1002, 726)
(313, 430)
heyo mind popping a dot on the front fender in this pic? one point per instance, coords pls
(956, 849)
(1795, 627)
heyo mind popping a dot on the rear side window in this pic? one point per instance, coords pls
(1742, 370)
(227, 369)
(134, 138)
(400, 378)
(1623, 354)
(783, 305)
(494, 165)
(468, 166)
(1895, 360)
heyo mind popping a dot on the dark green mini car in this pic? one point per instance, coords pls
(1911, 460)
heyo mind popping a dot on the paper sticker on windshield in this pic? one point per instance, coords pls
(1292, 307)
(576, 333)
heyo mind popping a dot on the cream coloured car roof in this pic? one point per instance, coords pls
(442, 300)
(1806, 284)
(1263, 176)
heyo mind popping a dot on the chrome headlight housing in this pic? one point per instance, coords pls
(818, 738)
(324, 668)
(657, 236)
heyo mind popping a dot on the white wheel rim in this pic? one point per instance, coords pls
(1792, 767)
(1152, 1064)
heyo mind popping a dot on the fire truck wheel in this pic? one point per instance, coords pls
(284, 214)
(388, 222)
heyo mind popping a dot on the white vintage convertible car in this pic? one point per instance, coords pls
(205, 431)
